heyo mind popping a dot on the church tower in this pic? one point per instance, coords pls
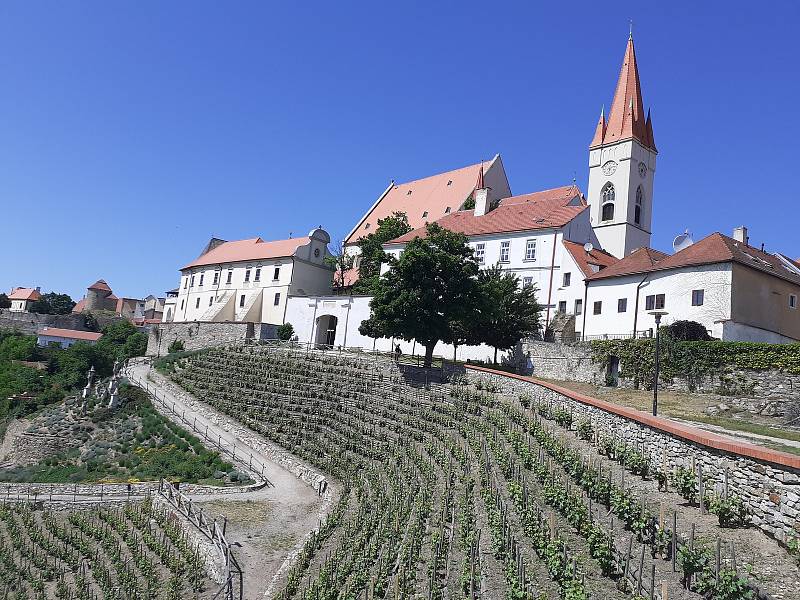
(622, 165)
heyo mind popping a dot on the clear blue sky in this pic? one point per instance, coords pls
(131, 132)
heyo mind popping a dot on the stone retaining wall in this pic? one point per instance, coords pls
(197, 335)
(564, 362)
(767, 481)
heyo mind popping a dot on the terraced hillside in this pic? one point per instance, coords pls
(460, 492)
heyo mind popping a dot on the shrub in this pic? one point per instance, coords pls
(730, 511)
(687, 331)
(685, 482)
(585, 429)
(285, 332)
(176, 346)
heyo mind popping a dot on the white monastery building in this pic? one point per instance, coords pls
(250, 280)
(588, 256)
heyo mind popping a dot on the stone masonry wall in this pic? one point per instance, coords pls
(30, 323)
(564, 362)
(770, 490)
(197, 335)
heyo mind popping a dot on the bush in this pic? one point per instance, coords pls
(285, 332)
(685, 482)
(687, 331)
(176, 346)
(730, 511)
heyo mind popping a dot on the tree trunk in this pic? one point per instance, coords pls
(495, 355)
(455, 351)
(429, 355)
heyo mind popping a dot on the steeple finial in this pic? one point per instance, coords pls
(630, 34)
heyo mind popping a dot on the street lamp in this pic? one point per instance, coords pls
(657, 314)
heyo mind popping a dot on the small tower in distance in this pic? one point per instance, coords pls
(622, 166)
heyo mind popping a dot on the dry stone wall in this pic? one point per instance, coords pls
(563, 362)
(771, 491)
(197, 335)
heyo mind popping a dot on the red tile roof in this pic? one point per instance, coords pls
(626, 119)
(715, 248)
(251, 249)
(100, 285)
(430, 197)
(24, 294)
(71, 334)
(78, 308)
(587, 260)
(539, 210)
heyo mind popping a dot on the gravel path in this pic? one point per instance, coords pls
(271, 523)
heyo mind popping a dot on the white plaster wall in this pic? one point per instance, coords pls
(613, 235)
(676, 285)
(739, 332)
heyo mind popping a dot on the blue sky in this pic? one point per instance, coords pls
(131, 132)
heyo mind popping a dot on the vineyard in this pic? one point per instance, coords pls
(134, 551)
(462, 491)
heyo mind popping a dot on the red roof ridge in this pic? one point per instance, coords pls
(21, 293)
(248, 249)
(585, 260)
(74, 334)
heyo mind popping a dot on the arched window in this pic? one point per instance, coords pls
(607, 201)
(637, 210)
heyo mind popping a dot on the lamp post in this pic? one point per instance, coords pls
(657, 314)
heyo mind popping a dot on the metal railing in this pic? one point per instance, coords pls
(232, 576)
(643, 334)
(243, 458)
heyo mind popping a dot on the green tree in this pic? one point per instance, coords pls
(372, 254)
(506, 312)
(176, 346)
(342, 262)
(427, 290)
(4, 301)
(285, 332)
(52, 303)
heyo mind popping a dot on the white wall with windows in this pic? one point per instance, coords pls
(701, 293)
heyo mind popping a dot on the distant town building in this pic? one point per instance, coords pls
(65, 337)
(250, 280)
(22, 298)
(99, 296)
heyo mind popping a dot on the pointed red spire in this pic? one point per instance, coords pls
(600, 132)
(626, 119)
(480, 185)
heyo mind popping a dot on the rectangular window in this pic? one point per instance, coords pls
(185, 283)
(480, 252)
(257, 275)
(182, 304)
(241, 301)
(654, 302)
(562, 306)
(792, 301)
(197, 304)
(230, 276)
(216, 278)
(527, 281)
(697, 297)
(530, 250)
(202, 276)
(211, 300)
(598, 307)
(276, 274)
(578, 307)
(622, 305)
(191, 283)
(504, 248)
(277, 299)
(247, 275)
(567, 279)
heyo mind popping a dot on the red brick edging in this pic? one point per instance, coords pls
(664, 425)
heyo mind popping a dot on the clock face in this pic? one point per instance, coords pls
(642, 169)
(609, 167)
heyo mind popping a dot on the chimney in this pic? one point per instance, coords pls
(740, 235)
(481, 196)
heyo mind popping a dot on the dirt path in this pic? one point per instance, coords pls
(268, 524)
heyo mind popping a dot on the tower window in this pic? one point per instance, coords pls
(607, 196)
(637, 210)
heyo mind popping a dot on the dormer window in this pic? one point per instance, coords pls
(425, 214)
(450, 182)
(408, 193)
(366, 225)
(447, 210)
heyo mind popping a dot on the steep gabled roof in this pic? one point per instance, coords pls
(589, 262)
(24, 294)
(250, 249)
(714, 248)
(626, 119)
(428, 199)
(641, 260)
(539, 210)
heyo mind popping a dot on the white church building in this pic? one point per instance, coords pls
(589, 256)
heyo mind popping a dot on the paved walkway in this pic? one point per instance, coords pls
(270, 523)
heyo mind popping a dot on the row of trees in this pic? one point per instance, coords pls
(436, 292)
